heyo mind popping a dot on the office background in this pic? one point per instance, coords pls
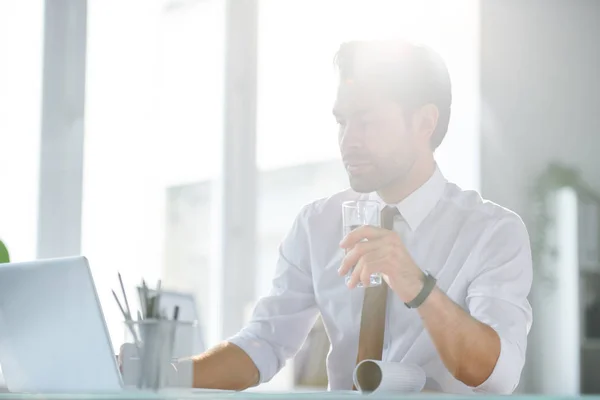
(177, 139)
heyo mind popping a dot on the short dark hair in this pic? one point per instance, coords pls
(413, 74)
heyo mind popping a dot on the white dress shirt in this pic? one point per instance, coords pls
(478, 251)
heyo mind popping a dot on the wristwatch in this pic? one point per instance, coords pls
(428, 285)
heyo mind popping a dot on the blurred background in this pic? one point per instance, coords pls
(177, 140)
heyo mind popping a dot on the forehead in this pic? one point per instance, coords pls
(372, 75)
(356, 97)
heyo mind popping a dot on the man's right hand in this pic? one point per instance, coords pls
(225, 367)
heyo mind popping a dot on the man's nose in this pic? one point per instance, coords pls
(352, 136)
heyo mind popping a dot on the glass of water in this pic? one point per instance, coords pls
(358, 213)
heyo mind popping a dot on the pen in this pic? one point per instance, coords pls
(127, 319)
(145, 300)
(151, 305)
(119, 304)
(157, 303)
(140, 290)
(124, 296)
(173, 330)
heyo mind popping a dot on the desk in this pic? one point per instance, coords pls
(207, 395)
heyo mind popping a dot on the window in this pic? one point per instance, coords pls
(21, 54)
(153, 120)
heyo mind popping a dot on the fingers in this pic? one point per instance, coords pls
(365, 267)
(387, 243)
(355, 278)
(362, 233)
(382, 252)
(365, 276)
(368, 265)
(354, 255)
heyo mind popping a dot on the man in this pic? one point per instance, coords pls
(460, 264)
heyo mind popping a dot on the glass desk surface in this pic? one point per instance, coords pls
(212, 394)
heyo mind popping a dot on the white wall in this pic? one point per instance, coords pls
(540, 93)
(540, 99)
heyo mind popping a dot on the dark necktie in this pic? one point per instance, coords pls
(372, 321)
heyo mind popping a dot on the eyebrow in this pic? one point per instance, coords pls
(338, 114)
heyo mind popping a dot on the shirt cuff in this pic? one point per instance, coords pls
(260, 352)
(507, 371)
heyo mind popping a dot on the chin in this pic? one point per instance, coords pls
(363, 184)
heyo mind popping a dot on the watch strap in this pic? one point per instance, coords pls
(429, 282)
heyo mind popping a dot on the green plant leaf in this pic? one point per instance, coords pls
(4, 258)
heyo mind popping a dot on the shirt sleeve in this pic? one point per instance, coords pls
(282, 319)
(497, 296)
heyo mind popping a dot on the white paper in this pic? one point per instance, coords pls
(379, 376)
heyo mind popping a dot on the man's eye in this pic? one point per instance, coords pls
(369, 123)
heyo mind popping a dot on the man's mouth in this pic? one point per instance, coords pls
(358, 168)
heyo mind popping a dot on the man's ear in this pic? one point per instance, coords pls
(425, 121)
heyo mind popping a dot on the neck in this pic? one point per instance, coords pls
(417, 175)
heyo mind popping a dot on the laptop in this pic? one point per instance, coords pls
(53, 335)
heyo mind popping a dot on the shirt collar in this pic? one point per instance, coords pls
(417, 206)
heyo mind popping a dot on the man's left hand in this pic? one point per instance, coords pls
(382, 252)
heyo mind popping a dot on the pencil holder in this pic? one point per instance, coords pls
(157, 354)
